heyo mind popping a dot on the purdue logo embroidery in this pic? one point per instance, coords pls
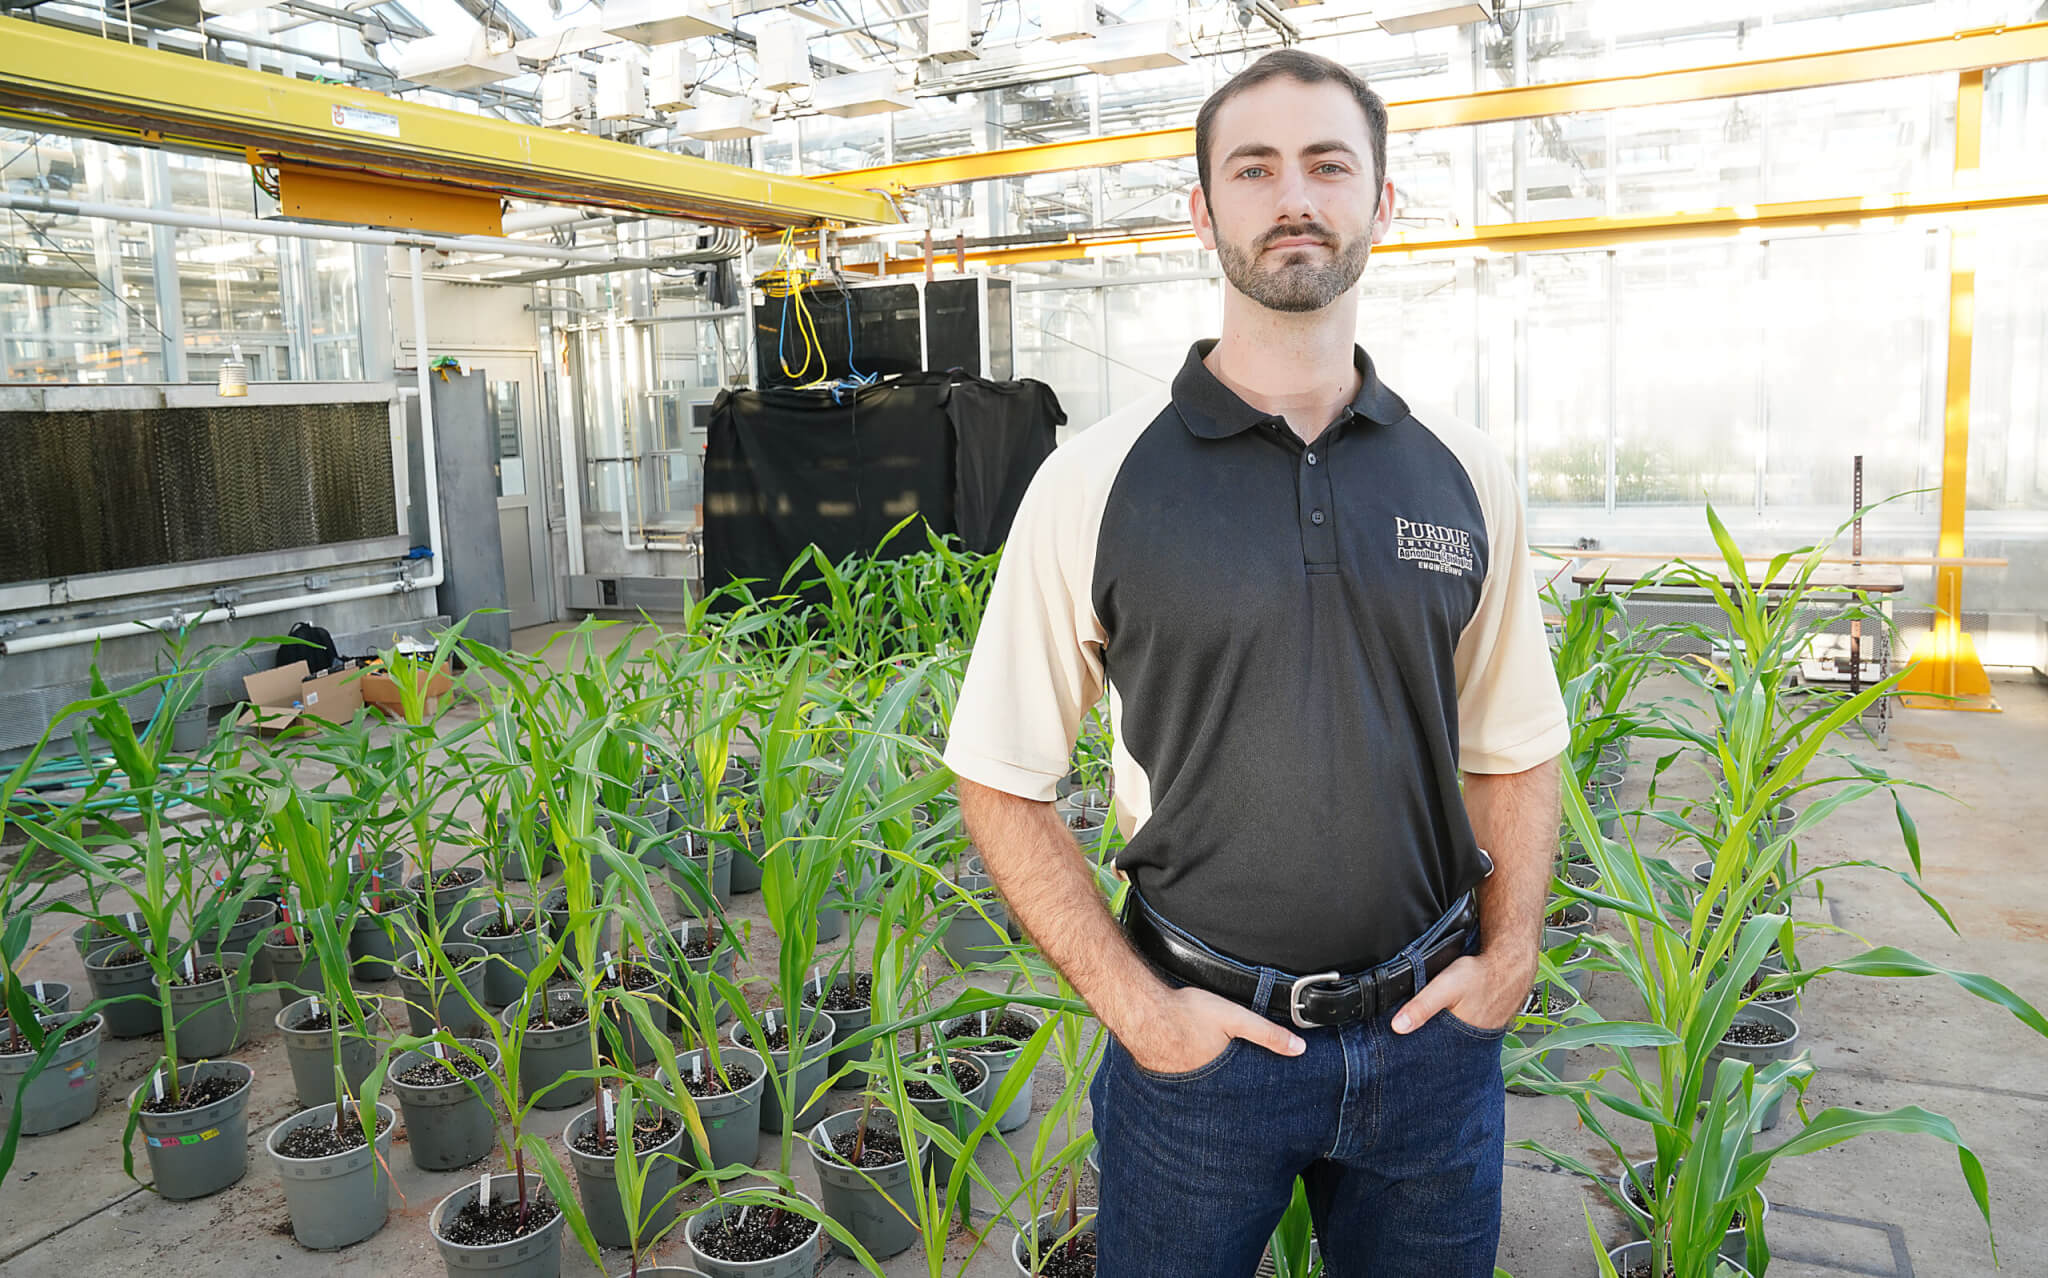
(1433, 547)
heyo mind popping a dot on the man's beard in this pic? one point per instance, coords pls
(1294, 287)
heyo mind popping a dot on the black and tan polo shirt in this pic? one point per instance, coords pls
(1302, 646)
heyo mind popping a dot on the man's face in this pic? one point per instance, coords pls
(1293, 207)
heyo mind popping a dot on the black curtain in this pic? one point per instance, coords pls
(786, 469)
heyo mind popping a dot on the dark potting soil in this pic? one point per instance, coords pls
(1569, 916)
(440, 1073)
(878, 1150)
(1642, 1268)
(1754, 1034)
(700, 946)
(966, 1076)
(198, 1095)
(778, 1038)
(1546, 1002)
(1768, 996)
(15, 1045)
(646, 1136)
(498, 927)
(636, 977)
(501, 1222)
(712, 1085)
(126, 956)
(320, 1140)
(200, 976)
(319, 1020)
(557, 1015)
(460, 876)
(768, 1232)
(1008, 1025)
(840, 998)
(1074, 1259)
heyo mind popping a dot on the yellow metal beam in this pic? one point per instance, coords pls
(1964, 51)
(1571, 233)
(1946, 673)
(55, 78)
(357, 199)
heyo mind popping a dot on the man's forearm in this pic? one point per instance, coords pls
(1050, 887)
(1514, 816)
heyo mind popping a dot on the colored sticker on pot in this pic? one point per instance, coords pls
(173, 1142)
(79, 1073)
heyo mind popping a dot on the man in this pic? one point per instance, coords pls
(1311, 611)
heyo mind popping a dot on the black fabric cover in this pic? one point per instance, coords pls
(786, 469)
(1001, 432)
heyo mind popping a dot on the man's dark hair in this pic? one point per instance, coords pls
(1308, 68)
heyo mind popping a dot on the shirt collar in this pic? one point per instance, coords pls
(1213, 411)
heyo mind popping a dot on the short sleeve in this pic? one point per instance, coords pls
(1511, 715)
(1037, 661)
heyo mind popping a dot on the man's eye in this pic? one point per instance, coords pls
(1254, 171)
(1332, 167)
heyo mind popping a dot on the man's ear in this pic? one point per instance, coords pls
(1198, 213)
(1383, 215)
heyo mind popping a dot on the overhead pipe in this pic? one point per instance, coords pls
(405, 584)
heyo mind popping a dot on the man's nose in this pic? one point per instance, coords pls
(1295, 201)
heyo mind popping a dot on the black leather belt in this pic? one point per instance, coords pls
(1320, 1001)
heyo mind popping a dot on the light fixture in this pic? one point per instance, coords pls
(1133, 46)
(784, 56)
(456, 62)
(234, 375)
(951, 29)
(1405, 17)
(659, 21)
(564, 99)
(723, 120)
(621, 89)
(674, 75)
(1062, 20)
(862, 93)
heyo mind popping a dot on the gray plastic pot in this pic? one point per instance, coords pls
(618, 1020)
(256, 917)
(298, 969)
(507, 959)
(746, 866)
(1734, 1245)
(1051, 1227)
(861, 1199)
(998, 1061)
(95, 935)
(556, 905)
(534, 1255)
(452, 905)
(373, 945)
(1577, 977)
(448, 1125)
(196, 1152)
(51, 998)
(188, 730)
(732, 1122)
(67, 1092)
(1758, 1055)
(810, 1072)
(956, 1118)
(428, 1013)
(1639, 1253)
(969, 937)
(844, 1026)
(1540, 1031)
(515, 858)
(210, 1015)
(800, 1261)
(717, 866)
(134, 1017)
(340, 1199)
(1587, 877)
(597, 1183)
(660, 1271)
(1578, 918)
(724, 961)
(548, 1054)
(831, 922)
(310, 1053)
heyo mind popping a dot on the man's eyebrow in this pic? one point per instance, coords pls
(1267, 151)
(1259, 150)
(1328, 146)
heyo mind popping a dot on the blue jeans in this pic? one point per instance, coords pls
(1398, 1139)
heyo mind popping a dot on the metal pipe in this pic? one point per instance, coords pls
(314, 230)
(429, 450)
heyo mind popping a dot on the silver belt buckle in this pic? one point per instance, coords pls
(1294, 997)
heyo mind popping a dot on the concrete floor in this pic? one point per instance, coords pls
(1890, 1206)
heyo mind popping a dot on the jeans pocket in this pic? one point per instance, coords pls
(1223, 1058)
(1473, 1031)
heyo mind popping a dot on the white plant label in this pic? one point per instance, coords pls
(483, 1191)
(37, 995)
(604, 1104)
(697, 1070)
(130, 919)
(191, 970)
(156, 1084)
(435, 1050)
(984, 1022)
(818, 982)
(771, 1022)
(314, 1002)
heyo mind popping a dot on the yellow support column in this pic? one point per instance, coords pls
(1946, 673)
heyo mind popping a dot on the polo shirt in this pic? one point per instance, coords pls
(1302, 646)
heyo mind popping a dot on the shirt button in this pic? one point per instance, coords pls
(1316, 517)
(1311, 459)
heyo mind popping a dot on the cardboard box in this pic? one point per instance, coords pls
(381, 690)
(280, 698)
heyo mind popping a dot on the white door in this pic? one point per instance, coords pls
(510, 386)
